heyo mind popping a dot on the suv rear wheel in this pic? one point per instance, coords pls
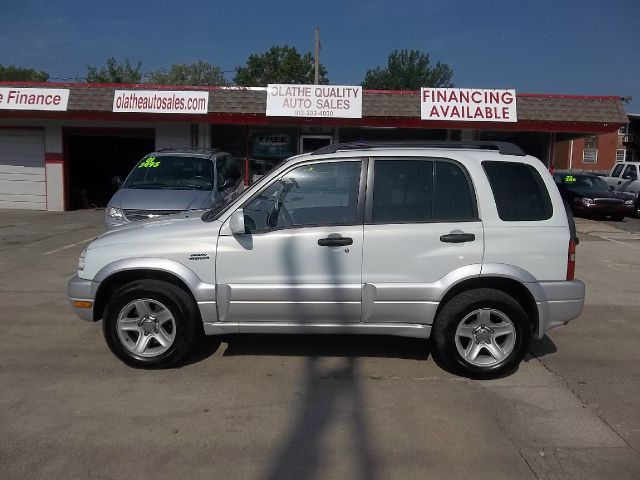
(481, 333)
(151, 324)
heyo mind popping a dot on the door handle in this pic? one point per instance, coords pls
(335, 241)
(458, 237)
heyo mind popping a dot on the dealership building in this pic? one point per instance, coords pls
(61, 144)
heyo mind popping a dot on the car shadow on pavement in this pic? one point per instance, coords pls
(205, 348)
(327, 345)
(538, 348)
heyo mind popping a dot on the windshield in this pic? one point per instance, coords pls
(585, 182)
(173, 173)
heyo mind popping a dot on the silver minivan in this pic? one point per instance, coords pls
(173, 181)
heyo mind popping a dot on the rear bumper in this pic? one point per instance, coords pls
(558, 303)
(79, 289)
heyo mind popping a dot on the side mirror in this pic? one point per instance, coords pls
(611, 189)
(117, 181)
(236, 222)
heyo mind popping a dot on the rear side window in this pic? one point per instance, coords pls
(616, 171)
(519, 191)
(420, 191)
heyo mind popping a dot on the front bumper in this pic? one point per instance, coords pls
(603, 209)
(558, 303)
(81, 290)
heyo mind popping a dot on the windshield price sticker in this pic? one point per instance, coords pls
(569, 179)
(324, 101)
(149, 162)
(468, 105)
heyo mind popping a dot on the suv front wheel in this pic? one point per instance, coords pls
(151, 324)
(481, 333)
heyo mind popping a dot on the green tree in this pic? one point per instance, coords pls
(11, 73)
(197, 73)
(408, 70)
(279, 64)
(114, 72)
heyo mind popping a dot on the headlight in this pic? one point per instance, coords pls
(114, 213)
(81, 260)
(631, 201)
(583, 200)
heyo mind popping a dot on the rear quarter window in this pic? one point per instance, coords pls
(519, 191)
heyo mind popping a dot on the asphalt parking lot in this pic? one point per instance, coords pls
(310, 407)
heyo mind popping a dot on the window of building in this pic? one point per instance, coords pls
(624, 129)
(310, 195)
(519, 191)
(421, 191)
(590, 155)
(620, 154)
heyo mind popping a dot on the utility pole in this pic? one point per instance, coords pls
(316, 59)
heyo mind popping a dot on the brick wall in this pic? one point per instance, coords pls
(607, 145)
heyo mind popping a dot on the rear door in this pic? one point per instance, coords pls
(421, 223)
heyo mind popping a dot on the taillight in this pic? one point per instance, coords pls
(571, 260)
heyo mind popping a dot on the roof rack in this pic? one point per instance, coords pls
(505, 148)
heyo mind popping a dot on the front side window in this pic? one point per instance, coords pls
(420, 190)
(519, 192)
(171, 173)
(630, 172)
(311, 195)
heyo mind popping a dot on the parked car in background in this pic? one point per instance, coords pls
(589, 195)
(467, 244)
(624, 177)
(173, 181)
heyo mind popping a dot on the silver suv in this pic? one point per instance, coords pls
(466, 244)
(172, 181)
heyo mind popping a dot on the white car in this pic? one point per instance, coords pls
(466, 244)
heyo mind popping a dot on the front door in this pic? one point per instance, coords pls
(311, 143)
(300, 260)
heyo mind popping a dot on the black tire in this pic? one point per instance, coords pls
(464, 304)
(617, 218)
(181, 306)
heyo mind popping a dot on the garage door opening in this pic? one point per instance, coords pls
(95, 158)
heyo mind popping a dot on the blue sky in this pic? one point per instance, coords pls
(541, 46)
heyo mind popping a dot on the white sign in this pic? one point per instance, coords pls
(17, 98)
(325, 101)
(468, 105)
(160, 101)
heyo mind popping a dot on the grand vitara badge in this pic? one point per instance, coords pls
(199, 256)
